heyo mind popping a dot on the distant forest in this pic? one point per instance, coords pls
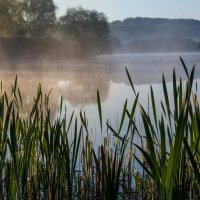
(30, 29)
(155, 35)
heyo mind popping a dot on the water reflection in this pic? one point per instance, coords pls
(78, 89)
(78, 81)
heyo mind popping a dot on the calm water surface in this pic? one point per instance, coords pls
(78, 81)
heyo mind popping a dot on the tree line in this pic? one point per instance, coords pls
(88, 30)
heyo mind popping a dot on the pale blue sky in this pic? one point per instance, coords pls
(120, 9)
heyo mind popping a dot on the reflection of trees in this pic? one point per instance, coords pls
(82, 88)
(76, 88)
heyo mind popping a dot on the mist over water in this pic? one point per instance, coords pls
(78, 80)
(70, 109)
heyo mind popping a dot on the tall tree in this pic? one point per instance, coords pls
(26, 16)
(6, 27)
(88, 28)
(40, 15)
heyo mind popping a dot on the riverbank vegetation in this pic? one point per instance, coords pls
(31, 29)
(54, 158)
(79, 32)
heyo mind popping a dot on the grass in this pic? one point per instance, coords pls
(41, 159)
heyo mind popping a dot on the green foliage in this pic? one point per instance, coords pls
(40, 15)
(88, 28)
(6, 22)
(23, 17)
(85, 32)
(165, 158)
(41, 158)
(109, 170)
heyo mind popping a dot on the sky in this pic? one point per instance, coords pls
(121, 9)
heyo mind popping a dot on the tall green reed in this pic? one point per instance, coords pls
(45, 158)
(165, 152)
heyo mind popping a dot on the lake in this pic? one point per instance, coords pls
(78, 81)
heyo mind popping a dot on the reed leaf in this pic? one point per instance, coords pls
(99, 108)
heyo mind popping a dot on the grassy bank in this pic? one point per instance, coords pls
(41, 158)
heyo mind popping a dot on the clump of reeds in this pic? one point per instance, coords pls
(41, 158)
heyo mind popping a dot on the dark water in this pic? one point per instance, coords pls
(78, 82)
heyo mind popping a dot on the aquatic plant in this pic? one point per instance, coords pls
(170, 155)
(45, 158)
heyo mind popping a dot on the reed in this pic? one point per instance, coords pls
(170, 155)
(45, 158)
